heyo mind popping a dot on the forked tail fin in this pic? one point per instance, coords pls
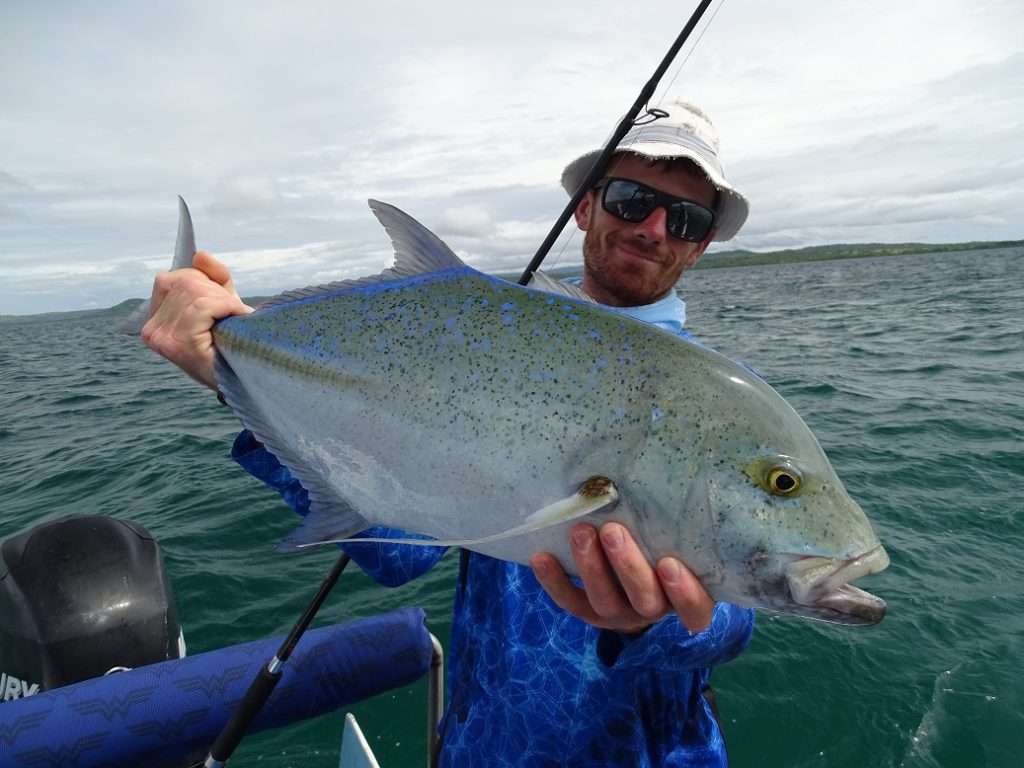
(184, 250)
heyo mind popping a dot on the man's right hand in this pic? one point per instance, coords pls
(622, 591)
(183, 309)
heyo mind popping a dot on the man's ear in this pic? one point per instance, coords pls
(585, 210)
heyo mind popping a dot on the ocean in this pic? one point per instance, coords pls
(910, 370)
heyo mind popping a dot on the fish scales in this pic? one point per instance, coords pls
(439, 400)
(441, 379)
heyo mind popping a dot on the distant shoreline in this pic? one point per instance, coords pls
(719, 260)
(741, 258)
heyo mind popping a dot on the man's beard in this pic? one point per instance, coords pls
(628, 285)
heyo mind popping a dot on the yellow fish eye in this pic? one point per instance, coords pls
(783, 481)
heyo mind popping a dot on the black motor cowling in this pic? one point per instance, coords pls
(80, 597)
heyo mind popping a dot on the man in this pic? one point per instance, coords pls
(612, 669)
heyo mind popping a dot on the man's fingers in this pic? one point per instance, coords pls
(621, 589)
(553, 578)
(162, 284)
(216, 271)
(633, 572)
(602, 588)
(686, 594)
(217, 306)
(213, 269)
(179, 327)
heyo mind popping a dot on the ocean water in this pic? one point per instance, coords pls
(910, 370)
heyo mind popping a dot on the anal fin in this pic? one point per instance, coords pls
(595, 495)
(322, 525)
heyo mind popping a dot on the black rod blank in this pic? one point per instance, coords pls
(601, 164)
(269, 676)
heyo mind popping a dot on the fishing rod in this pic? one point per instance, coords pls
(628, 121)
(597, 171)
(268, 677)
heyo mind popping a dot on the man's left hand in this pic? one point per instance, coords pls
(621, 590)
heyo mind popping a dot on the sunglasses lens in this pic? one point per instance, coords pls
(690, 221)
(628, 200)
(634, 202)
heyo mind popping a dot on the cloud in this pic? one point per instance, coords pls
(914, 168)
(277, 124)
(10, 183)
(465, 221)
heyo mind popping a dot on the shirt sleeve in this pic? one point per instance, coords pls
(388, 564)
(669, 645)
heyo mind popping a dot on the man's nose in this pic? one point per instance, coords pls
(653, 228)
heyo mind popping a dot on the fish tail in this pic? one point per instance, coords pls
(184, 250)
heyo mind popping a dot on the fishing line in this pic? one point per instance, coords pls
(651, 114)
(627, 122)
(689, 53)
(270, 674)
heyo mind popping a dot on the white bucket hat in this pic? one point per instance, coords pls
(686, 132)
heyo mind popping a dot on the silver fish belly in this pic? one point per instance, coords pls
(443, 401)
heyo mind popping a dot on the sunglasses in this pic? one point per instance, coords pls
(633, 202)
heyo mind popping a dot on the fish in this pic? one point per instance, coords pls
(446, 402)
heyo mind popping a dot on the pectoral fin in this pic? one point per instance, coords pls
(596, 494)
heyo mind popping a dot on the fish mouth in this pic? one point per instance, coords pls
(821, 586)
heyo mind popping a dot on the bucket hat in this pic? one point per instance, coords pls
(686, 132)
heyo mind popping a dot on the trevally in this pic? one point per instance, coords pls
(444, 401)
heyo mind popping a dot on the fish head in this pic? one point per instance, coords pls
(791, 538)
(757, 510)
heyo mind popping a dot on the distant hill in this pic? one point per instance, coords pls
(741, 258)
(116, 312)
(718, 260)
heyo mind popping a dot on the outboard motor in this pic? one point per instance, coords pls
(81, 597)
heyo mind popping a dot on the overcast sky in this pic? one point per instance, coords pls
(843, 121)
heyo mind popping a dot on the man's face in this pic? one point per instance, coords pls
(626, 265)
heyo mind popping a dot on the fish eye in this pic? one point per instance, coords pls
(783, 481)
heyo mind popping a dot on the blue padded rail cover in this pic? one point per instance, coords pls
(167, 714)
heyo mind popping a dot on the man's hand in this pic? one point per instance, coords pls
(621, 591)
(184, 306)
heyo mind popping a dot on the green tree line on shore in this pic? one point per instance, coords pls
(719, 259)
(741, 258)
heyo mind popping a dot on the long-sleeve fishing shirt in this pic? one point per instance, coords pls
(529, 684)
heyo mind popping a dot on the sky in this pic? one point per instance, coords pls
(864, 121)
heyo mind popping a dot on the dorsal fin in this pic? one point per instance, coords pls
(542, 282)
(418, 251)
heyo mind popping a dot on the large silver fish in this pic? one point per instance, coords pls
(447, 402)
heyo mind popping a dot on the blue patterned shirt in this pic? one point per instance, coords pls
(529, 685)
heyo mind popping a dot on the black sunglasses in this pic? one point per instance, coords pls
(633, 202)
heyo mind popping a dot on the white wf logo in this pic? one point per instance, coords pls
(12, 687)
